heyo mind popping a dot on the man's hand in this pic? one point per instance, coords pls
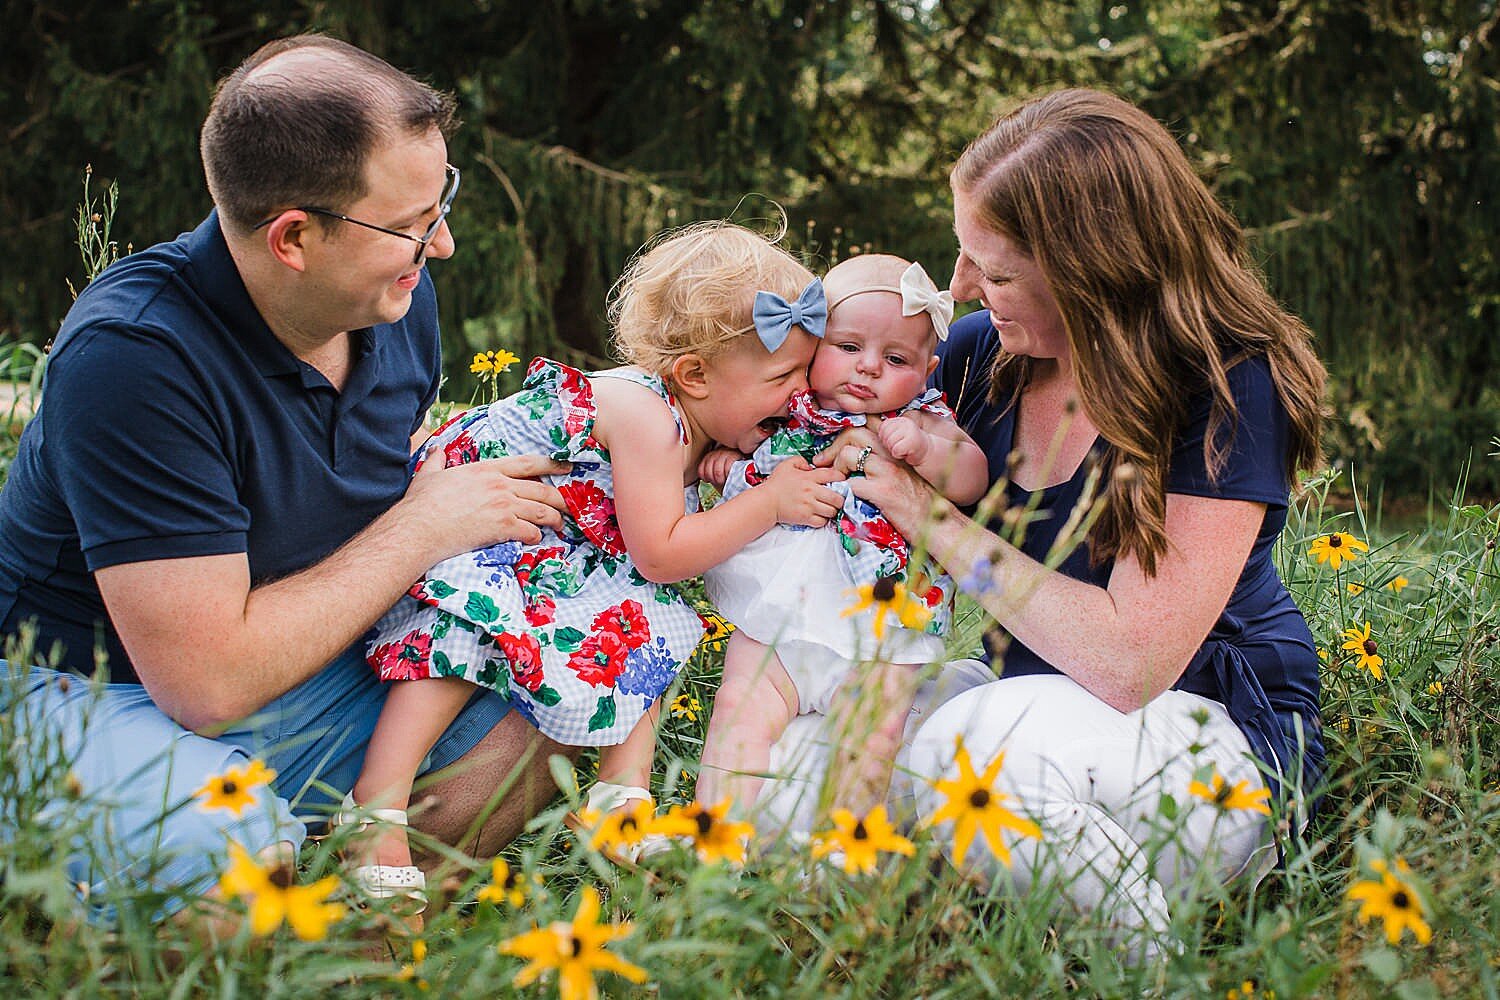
(475, 505)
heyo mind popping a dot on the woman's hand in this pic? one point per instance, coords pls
(904, 497)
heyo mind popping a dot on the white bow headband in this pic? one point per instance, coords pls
(918, 295)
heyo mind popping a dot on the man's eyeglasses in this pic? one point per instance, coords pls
(445, 204)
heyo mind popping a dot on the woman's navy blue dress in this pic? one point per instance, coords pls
(1259, 659)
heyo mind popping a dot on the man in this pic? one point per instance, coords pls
(214, 491)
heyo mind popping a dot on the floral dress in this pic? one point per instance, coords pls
(789, 588)
(567, 628)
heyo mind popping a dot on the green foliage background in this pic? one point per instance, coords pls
(1357, 139)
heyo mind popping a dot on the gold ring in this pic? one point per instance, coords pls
(859, 463)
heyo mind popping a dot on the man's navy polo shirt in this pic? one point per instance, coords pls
(174, 424)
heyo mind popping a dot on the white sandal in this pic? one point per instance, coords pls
(381, 881)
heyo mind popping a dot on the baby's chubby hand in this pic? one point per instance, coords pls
(802, 493)
(715, 466)
(905, 440)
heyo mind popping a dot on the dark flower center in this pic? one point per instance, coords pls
(705, 823)
(859, 832)
(282, 876)
(1400, 900)
(228, 787)
(628, 823)
(511, 878)
(1334, 541)
(1370, 647)
(884, 589)
(577, 946)
(979, 798)
(1222, 795)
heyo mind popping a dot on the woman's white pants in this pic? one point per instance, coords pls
(1092, 777)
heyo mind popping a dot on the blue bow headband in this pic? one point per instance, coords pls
(774, 315)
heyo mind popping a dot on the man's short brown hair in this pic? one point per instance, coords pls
(276, 140)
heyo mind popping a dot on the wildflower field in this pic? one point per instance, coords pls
(1386, 892)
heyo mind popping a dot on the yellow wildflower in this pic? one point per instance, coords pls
(1227, 796)
(489, 364)
(507, 885)
(685, 706)
(575, 950)
(1393, 900)
(231, 790)
(716, 628)
(1435, 688)
(1364, 648)
(888, 596)
(1356, 589)
(409, 971)
(861, 840)
(1249, 990)
(620, 832)
(273, 896)
(1337, 548)
(715, 837)
(1398, 584)
(974, 804)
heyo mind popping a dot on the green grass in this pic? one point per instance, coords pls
(1413, 775)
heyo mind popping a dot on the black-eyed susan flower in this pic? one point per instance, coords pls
(685, 706)
(489, 364)
(1394, 900)
(889, 596)
(1249, 989)
(1364, 648)
(715, 836)
(575, 950)
(272, 895)
(508, 885)
(621, 833)
(1355, 589)
(1398, 583)
(716, 628)
(975, 805)
(231, 791)
(1435, 688)
(1337, 548)
(1231, 797)
(860, 839)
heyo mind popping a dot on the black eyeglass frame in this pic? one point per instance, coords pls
(445, 205)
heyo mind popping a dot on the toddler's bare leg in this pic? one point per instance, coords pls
(754, 704)
(868, 715)
(414, 716)
(629, 763)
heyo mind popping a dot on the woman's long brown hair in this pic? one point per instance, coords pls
(1158, 295)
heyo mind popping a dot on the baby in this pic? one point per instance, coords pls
(797, 647)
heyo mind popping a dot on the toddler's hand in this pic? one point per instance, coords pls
(802, 493)
(905, 440)
(717, 464)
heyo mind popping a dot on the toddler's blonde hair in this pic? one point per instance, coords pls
(692, 291)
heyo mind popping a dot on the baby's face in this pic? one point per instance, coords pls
(872, 359)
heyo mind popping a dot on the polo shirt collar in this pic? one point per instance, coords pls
(219, 283)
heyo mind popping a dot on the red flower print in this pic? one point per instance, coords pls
(594, 512)
(600, 660)
(460, 451)
(878, 532)
(575, 399)
(626, 620)
(405, 660)
(753, 475)
(525, 656)
(540, 611)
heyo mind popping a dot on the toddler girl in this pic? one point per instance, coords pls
(581, 630)
(795, 649)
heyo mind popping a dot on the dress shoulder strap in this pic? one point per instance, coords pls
(653, 382)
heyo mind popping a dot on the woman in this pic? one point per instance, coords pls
(1125, 340)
